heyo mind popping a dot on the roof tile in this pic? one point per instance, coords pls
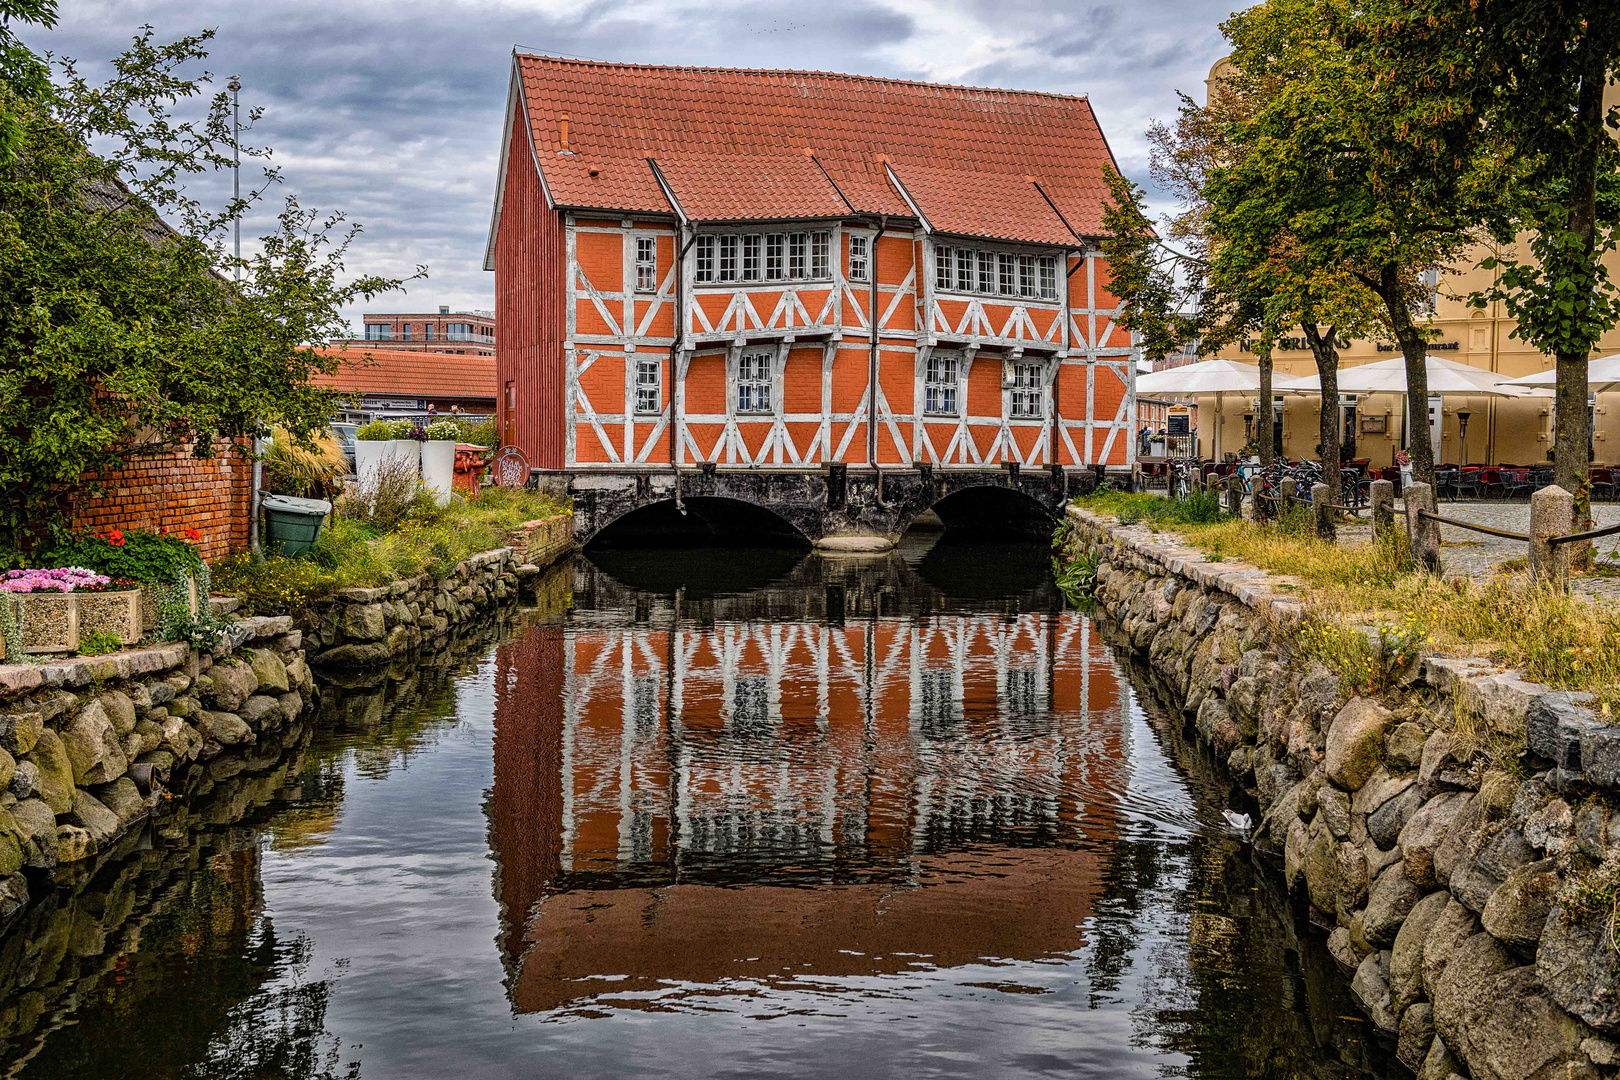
(398, 372)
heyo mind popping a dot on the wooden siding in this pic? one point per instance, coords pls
(529, 309)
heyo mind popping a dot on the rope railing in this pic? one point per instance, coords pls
(1503, 533)
(1608, 530)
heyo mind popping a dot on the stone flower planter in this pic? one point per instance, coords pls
(152, 602)
(56, 622)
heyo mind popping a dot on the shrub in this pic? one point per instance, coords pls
(99, 643)
(483, 433)
(136, 556)
(387, 495)
(304, 472)
(272, 584)
(383, 430)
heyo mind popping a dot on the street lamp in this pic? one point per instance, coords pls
(1462, 434)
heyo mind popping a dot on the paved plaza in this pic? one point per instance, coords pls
(1475, 555)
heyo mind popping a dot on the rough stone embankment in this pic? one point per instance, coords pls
(89, 747)
(1470, 894)
(362, 627)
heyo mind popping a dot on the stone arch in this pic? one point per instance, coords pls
(697, 521)
(986, 511)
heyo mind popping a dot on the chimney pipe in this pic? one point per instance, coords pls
(563, 118)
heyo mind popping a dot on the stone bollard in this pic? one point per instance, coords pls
(1137, 485)
(1321, 512)
(1195, 481)
(1381, 493)
(1288, 491)
(1552, 513)
(1234, 495)
(1425, 534)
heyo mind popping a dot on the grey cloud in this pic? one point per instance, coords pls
(391, 111)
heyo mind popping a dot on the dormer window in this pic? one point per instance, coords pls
(995, 273)
(723, 258)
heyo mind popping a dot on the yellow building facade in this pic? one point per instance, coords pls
(1463, 430)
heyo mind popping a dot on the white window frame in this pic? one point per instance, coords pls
(1049, 278)
(1026, 277)
(1024, 402)
(944, 266)
(755, 373)
(703, 251)
(798, 260)
(859, 257)
(649, 386)
(646, 264)
(775, 257)
(964, 269)
(987, 272)
(1006, 274)
(821, 254)
(752, 245)
(730, 257)
(942, 384)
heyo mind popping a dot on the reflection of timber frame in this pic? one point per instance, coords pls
(1374, 425)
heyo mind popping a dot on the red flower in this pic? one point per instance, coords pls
(192, 534)
(116, 538)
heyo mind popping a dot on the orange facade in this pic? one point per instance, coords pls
(792, 305)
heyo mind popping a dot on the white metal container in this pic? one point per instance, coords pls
(439, 467)
(369, 455)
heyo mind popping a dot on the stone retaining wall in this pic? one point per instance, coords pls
(89, 747)
(369, 627)
(1470, 899)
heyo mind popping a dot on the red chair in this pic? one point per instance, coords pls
(1490, 480)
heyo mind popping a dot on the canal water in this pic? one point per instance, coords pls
(737, 813)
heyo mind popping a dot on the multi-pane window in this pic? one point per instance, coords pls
(379, 332)
(646, 263)
(820, 254)
(940, 385)
(1048, 277)
(987, 271)
(1009, 270)
(427, 331)
(1026, 275)
(750, 258)
(647, 395)
(944, 264)
(754, 382)
(775, 262)
(405, 332)
(964, 270)
(859, 249)
(705, 258)
(728, 257)
(797, 244)
(1026, 391)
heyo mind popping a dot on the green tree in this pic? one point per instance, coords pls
(1528, 76)
(122, 335)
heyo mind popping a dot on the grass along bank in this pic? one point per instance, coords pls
(1552, 637)
(369, 543)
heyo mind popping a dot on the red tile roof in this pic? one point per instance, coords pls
(411, 374)
(621, 114)
(735, 187)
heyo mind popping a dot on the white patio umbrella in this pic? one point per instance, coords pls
(1218, 377)
(1445, 377)
(1601, 376)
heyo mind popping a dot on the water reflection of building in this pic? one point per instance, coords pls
(688, 802)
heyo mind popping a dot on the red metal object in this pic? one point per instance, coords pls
(470, 463)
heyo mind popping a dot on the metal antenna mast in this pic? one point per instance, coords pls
(235, 87)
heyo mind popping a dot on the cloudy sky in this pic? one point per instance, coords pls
(390, 110)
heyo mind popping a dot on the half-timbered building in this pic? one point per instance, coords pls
(703, 270)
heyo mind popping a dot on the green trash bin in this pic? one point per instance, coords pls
(291, 525)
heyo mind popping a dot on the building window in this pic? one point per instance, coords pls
(797, 244)
(379, 331)
(1026, 391)
(646, 263)
(820, 255)
(987, 271)
(1026, 275)
(1009, 274)
(405, 332)
(858, 255)
(939, 386)
(964, 270)
(754, 382)
(1048, 277)
(427, 331)
(647, 389)
(705, 258)
(774, 264)
(728, 257)
(944, 262)
(751, 246)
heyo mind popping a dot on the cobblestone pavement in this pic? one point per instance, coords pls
(1465, 553)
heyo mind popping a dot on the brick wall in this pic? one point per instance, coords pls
(179, 491)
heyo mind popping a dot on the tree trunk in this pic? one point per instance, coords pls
(1573, 446)
(1268, 451)
(1324, 349)
(1415, 350)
